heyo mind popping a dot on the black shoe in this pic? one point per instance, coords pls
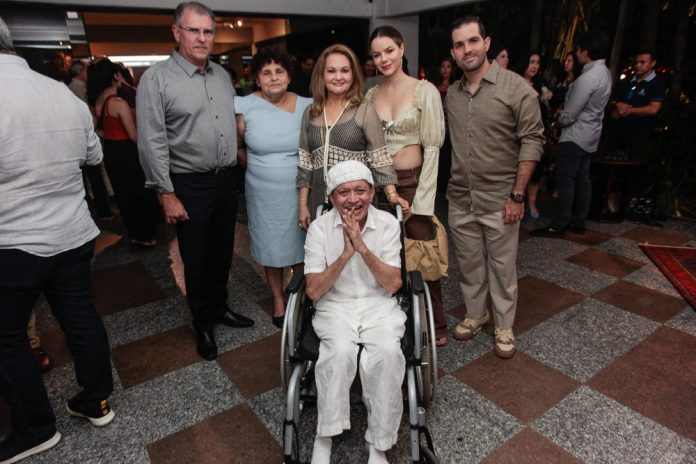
(547, 232)
(278, 321)
(576, 229)
(98, 413)
(205, 344)
(232, 319)
(15, 447)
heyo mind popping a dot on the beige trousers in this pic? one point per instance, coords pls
(486, 251)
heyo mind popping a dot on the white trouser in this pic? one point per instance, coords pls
(382, 368)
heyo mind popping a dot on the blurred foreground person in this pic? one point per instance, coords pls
(46, 245)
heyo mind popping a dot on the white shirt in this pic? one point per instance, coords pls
(583, 110)
(46, 134)
(356, 286)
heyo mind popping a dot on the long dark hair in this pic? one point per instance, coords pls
(452, 74)
(523, 64)
(100, 76)
(577, 69)
(387, 31)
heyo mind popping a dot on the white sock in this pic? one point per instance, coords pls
(376, 456)
(321, 454)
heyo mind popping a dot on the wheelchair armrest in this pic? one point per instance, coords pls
(295, 282)
(417, 284)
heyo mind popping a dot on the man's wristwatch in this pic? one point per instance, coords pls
(517, 197)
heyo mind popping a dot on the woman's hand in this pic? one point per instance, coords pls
(397, 200)
(304, 217)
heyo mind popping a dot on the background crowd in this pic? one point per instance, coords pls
(172, 152)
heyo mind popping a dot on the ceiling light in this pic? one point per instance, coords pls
(239, 22)
(134, 61)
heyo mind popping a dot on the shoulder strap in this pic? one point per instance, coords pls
(100, 118)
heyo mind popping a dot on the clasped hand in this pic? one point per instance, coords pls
(352, 236)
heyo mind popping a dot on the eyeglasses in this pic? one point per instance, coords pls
(207, 33)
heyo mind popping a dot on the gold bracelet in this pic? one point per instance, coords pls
(392, 194)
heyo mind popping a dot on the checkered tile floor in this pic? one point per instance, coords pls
(605, 373)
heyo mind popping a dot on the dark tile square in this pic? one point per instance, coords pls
(641, 300)
(266, 304)
(458, 312)
(254, 367)
(154, 356)
(235, 436)
(524, 235)
(656, 379)
(122, 287)
(529, 446)
(537, 300)
(601, 261)
(589, 238)
(655, 236)
(53, 341)
(106, 240)
(521, 386)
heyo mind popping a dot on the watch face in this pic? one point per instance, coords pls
(517, 197)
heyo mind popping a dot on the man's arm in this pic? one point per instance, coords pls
(512, 211)
(153, 148)
(389, 277)
(318, 283)
(578, 96)
(530, 133)
(651, 109)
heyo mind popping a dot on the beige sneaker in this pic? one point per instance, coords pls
(504, 343)
(466, 329)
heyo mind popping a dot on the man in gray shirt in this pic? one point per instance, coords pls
(188, 146)
(46, 246)
(581, 120)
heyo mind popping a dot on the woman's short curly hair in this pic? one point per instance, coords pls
(267, 56)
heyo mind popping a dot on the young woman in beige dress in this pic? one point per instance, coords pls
(414, 126)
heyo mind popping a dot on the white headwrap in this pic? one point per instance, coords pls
(348, 171)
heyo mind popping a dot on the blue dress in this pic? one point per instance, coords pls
(272, 138)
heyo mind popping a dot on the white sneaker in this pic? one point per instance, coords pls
(466, 329)
(504, 343)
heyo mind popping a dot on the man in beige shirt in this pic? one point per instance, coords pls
(497, 138)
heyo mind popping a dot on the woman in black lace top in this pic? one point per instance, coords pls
(339, 125)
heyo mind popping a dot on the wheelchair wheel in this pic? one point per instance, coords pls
(425, 374)
(427, 456)
(423, 378)
(294, 312)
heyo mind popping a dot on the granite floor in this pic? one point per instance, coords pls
(605, 373)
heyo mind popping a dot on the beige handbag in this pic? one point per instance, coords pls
(428, 256)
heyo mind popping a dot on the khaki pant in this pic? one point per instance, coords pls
(486, 251)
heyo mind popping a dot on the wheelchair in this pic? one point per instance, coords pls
(299, 353)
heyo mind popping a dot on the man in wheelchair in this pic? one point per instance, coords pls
(352, 268)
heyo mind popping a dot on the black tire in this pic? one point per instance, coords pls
(423, 372)
(428, 456)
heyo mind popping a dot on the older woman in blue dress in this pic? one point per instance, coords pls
(268, 127)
